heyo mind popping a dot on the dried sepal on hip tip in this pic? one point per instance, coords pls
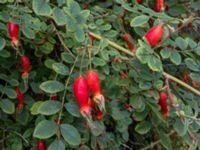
(100, 101)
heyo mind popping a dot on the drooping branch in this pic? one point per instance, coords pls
(128, 52)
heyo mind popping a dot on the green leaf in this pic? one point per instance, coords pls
(192, 65)
(103, 44)
(5, 53)
(139, 116)
(139, 21)
(98, 61)
(116, 113)
(41, 7)
(195, 77)
(70, 134)
(197, 50)
(181, 128)
(155, 63)
(60, 2)
(165, 53)
(71, 22)
(49, 63)
(66, 57)
(98, 128)
(145, 85)
(49, 107)
(60, 68)
(28, 32)
(56, 145)
(143, 127)
(10, 93)
(73, 7)
(143, 55)
(45, 129)
(137, 101)
(35, 106)
(13, 82)
(59, 16)
(7, 106)
(79, 34)
(2, 43)
(52, 86)
(158, 84)
(175, 58)
(181, 43)
(23, 117)
(165, 140)
(73, 109)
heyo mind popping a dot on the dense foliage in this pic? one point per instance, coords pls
(140, 57)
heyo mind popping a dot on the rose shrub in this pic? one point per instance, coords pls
(146, 58)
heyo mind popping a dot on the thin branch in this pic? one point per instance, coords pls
(66, 85)
(62, 41)
(101, 16)
(118, 47)
(113, 44)
(181, 83)
(177, 109)
(156, 142)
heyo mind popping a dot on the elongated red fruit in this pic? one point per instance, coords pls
(20, 98)
(82, 96)
(154, 35)
(13, 30)
(139, 1)
(25, 62)
(93, 83)
(159, 5)
(163, 104)
(41, 145)
(127, 38)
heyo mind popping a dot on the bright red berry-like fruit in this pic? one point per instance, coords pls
(54, 97)
(20, 98)
(154, 35)
(13, 30)
(93, 83)
(127, 39)
(159, 5)
(186, 76)
(163, 104)
(167, 8)
(99, 115)
(82, 96)
(25, 62)
(41, 145)
(195, 84)
(139, 1)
